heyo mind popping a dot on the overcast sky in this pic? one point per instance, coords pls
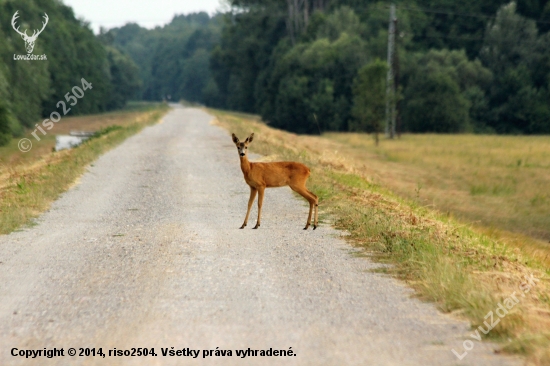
(147, 13)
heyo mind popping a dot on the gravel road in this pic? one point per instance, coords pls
(145, 251)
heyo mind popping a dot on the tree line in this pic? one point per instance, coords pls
(307, 66)
(30, 90)
(310, 66)
(173, 60)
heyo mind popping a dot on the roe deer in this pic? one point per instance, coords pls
(260, 176)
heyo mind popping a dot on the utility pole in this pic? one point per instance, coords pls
(397, 123)
(390, 84)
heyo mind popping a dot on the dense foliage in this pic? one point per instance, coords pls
(306, 66)
(30, 90)
(173, 60)
(479, 66)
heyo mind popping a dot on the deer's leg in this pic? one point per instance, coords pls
(316, 209)
(309, 216)
(260, 203)
(311, 198)
(315, 224)
(253, 192)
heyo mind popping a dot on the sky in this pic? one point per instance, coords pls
(148, 13)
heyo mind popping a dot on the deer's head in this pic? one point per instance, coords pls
(29, 40)
(242, 147)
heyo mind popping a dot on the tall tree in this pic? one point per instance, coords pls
(369, 98)
(518, 58)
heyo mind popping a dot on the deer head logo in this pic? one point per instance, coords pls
(29, 40)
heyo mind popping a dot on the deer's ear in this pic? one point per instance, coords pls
(235, 139)
(250, 138)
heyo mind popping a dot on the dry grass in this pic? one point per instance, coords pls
(498, 182)
(30, 181)
(459, 268)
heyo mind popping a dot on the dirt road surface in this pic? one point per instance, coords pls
(145, 251)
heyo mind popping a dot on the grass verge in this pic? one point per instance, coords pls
(30, 182)
(461, 269)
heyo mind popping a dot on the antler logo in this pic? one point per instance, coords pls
(29, 40)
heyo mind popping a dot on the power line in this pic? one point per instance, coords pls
(471, 15)
(390, 83)
(467, 38)
(449, 37)
(449, 12)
